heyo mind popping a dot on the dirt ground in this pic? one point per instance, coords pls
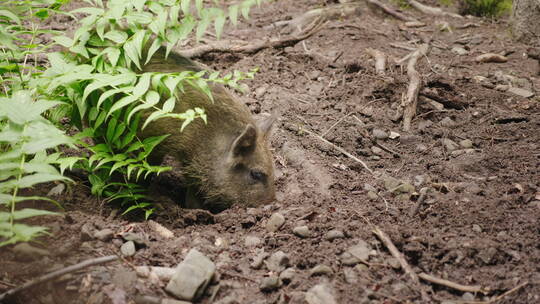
(458, 195)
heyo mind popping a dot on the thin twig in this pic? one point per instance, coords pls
(335, 147)
(453, 285)
(390, 11)
(58, 273)
(408, 105)
(335, 124)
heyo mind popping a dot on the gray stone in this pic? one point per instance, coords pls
(404, 188)
(459, 51)
(379, 134)
(520, 92)
(259, 259)
(321, 270)
(277, 262)
(172, 301)
(449, 145)
(128, 249)
(356, 254)
(350, 275)
(302, 231)
(260, 91)
(275, 222)
(372, 195)
(476, 228)
(391, 183)
(334, 234)
(468, 296)
(487, 255)
(394, 263)
(369, 187)
(447, 122)
(502, 87)
(87, 232)
(457, 153)
(420, 148)
(252, 241)
(361, 268)
(376, 150)
(394, 135)
(137, 238)
(466, 143)
(287, 275)
(269, 283)
(104, 235)
(320, 294)
(191, 276)
(25, 252)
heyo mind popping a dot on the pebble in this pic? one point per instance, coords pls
(321, 270)
(466, 143)
(320, 294)
(356, 254)
(128, 249)
(260, 91)
(468, 296)
(372, 195)
(191, 276)
(457, 153)
(275, 222)
(287, 275)
(277, 262)
(449, 145)
(302, 231)
(420, 148)
(502, 87)
(447, 122)
(269, 283)
(391, 183)
(252, 241)
(404, 188)
(104, 235)
(487, 255)
(394, 135)
(334, 234)
(258, 260)
(350, 275)
(86, 232)
(520, 92)
(361, 268)
(25, 252)
(376, 150)
(394, 263)
(476, 228)
(459, 50)
(379, 134)
(414, 24)
(137, 238)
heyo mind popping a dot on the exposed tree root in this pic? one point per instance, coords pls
(435, 11)
(408, 104)
(390, 11)
(236, 46)
(450, 284)
(380, 60)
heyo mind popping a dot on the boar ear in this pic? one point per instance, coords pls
(265, 125)
(245, 142)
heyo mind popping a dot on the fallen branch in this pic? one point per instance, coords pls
(390, 11)
(399, 256)
(380, 60)
(244, 47)
(58, 273)
(435, 11)
(292, 127)
(408, 105)
(456, 286)
(332, 12)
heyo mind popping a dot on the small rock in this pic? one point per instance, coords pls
(25, 252)
(535, 204)
(394, 135)
(277, 262)
(137, 238)
(376, 150)
(447, 122)
(86, 232)
(56, 190)
(449, 145)
(321, 270)
(269, 283)
(258, 260)
(520, 92)
(356, 254)
(275, 222)
(128, 249)
(320, 294)
(502, 87)
(468, 296)
(159, 229)
(170, 301)
(379, 134)
(420, 148)
(252, 241)
(350, 275)
(287, 275)
(476, 228)
(372, 195)
(459, 50)
(414, 24)
(192, 276)
(391, 183)
(410, 139)
(334, 234)
(461, 152)
(361, 268)
(487, 255)
(302, 231)
(466, 143)
(104, 235)
(404, 188)
(394, 263)
(260, 91)
(369, 187)
(491, 57)
(419, 180)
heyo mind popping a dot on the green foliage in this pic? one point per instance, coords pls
(486, 8)
(24, 138)
(111, 98)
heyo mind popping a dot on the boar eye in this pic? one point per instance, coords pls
(257, 175)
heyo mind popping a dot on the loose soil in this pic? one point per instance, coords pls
(478, 224)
